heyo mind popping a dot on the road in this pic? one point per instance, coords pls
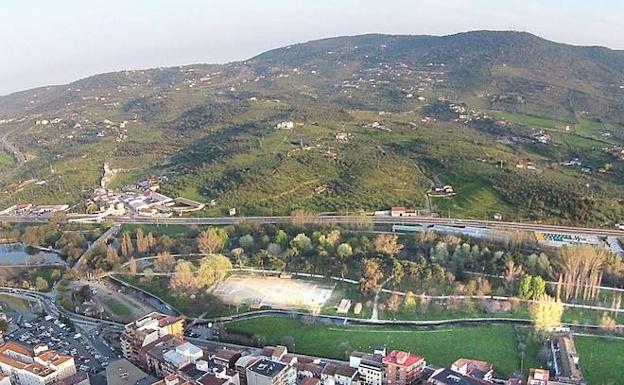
(101, 240)
(424, 221)
(19, 156)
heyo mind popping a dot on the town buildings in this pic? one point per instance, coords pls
(24, 365)
(145, 331)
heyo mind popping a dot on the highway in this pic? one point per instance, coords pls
(338, 219)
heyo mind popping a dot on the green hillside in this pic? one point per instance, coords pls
(378, 121)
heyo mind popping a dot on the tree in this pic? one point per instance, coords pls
(302, 242)
(183, 279)
(607, 323)
(56, 274)
(371, 276)
(531, 287)
(289, 342)
(582, 269)
(274, 249)
(409, 302)
(127, 249)
(142, 243)
(387, 244)
(212, 268)
(344, 250)
(112, 257)
(393, 303)
(212, 240)
(247, 242)
(132, 265)
(41, 284)
(164, 262)
(281, 238)
(546, 314)
(511, 272)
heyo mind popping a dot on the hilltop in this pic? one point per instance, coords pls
(518, 125)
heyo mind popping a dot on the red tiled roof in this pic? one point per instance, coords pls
(399, 358)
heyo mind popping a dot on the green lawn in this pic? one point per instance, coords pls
(528, 120)
(117, 308)
(601, 359)
(14, 303)
(440, 347)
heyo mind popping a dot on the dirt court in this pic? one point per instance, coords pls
(278, 293)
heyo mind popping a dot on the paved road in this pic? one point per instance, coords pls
(102, 239)
(19, 156)
(424, 221)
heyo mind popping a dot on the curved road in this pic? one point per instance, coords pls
(19, 156)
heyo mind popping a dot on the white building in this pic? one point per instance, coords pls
(33, 366)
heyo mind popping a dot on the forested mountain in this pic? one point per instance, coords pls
(517, 124)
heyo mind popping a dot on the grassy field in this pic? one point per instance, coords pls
(601, 359)
(14, 303)
(496, 344)
(529, 120)
(117, 308)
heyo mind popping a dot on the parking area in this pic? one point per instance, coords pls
(91, 352)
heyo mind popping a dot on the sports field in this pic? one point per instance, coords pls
(277, 293)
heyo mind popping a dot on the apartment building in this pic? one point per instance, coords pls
(403, 368)
(268, 372)
(147, 330)
(370, 367)
(34, 366)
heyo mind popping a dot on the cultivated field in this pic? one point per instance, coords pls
(277, 293)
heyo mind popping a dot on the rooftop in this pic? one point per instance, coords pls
(123, 372)
(267, 368)
(447, 376)
(404, 359)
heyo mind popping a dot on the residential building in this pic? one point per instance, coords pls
(124, 372)
(370, 368)
(309, 381)
(78, 378)
(566, 360)
(154, 355)
(275, 353)
(227, 357)
(339, 374)
(268, 372)
(34, 366)
(474, 368)
(538, 377)
(183, 355)
(446, 376)
(241, 367)
(172, 379)
(145, 331)
(403, 368)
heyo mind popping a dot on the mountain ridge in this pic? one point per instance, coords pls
(377, 120)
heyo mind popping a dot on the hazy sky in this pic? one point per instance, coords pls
(56, 41)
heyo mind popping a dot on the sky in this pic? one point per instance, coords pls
(47, 42)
